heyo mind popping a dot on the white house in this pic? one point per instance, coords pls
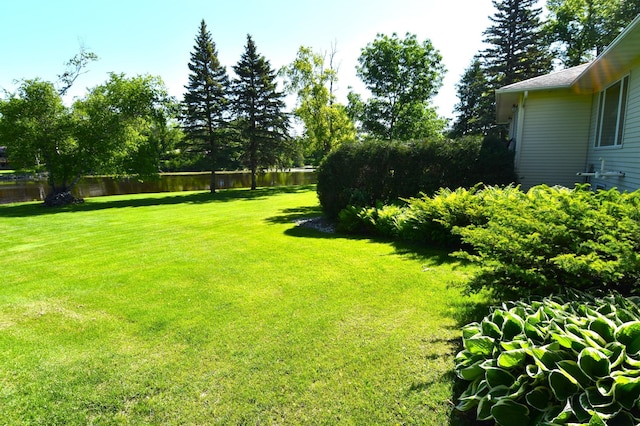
(580, 124)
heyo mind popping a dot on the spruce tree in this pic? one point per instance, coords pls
(475, 106)
(258, 109)
(517, 49)
(205, 105)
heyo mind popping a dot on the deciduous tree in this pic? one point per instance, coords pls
(402, 75)
(580, 29)
(258, 109)
(106, 132)
(326, 123)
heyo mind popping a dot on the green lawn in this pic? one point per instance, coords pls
(191, 308)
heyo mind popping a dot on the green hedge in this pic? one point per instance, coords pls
(362, 174)
(552, 362)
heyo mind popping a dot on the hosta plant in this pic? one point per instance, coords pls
(550, 362)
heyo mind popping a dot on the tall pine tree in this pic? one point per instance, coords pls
(517, 51)
(258, 109)
(205, 112)
(475, 114)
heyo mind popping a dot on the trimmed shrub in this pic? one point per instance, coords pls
(549, 239)
(551, 362)
(363, 174)
(430, 220)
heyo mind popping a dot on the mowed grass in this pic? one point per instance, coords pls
(191, 308)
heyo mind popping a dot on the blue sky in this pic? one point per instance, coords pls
(156, 36)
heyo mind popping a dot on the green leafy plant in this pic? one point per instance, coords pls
(548, 362)
(551, 238)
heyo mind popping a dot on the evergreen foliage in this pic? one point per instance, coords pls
(516, 49)
(205, 117)
(476, 102)
(258, 109)
(540, 242)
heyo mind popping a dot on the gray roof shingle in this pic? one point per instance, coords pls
(555, 80)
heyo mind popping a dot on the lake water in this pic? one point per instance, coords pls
(22, 190)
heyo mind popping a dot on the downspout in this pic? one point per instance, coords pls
(519, 128)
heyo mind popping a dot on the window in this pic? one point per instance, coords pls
(611, 111)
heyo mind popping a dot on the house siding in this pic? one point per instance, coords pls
(554, 138)
(627, 157)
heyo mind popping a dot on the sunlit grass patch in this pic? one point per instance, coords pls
(191, 308)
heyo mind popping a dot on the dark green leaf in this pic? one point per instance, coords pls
(465, 404)
(483, 412)
(471, 372)
(562, 385)
(510, 413)
(534, 332)
(604, 327)
(596, 399)
(548, 356)
(490, 329)
(594, 363)
(626, 391)
(513, 326)
(479, 345)
(580, 407)
(572, 369)
(512, 359)
(618, 354)
(471, 330)
(620, 419)
(539, 398)
(629, 335)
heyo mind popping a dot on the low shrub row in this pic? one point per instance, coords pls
(362, 174)
(552, 363)
(539, 242)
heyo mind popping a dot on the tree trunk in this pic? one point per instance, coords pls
(60, 197)
(253, 179)
(212, 185)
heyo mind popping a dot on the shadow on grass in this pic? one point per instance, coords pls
(469, 311)
(140, 200)
(410, 250)
(464, 311)
(293, 214)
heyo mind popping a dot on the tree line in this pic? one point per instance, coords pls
(130, 125)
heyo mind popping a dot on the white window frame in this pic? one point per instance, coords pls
(621, 109)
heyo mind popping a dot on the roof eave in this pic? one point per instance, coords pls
(613, 62)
